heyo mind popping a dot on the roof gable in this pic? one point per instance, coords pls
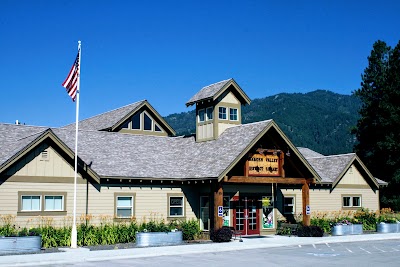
(213, 91)
(111, 120)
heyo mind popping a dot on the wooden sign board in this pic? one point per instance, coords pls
(266, 163)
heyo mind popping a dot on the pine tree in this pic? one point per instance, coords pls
(378, 129)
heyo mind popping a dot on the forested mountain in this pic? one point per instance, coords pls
(320, 120)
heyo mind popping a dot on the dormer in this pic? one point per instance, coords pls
(136, 118)
(218, 107)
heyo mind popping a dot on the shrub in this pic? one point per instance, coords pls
(310, 231)
(323, 223)
(221, 235)
(367, 218)
(190, 229)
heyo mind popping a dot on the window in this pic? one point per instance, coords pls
(233, 114)
(289, 205)
(30, 203)
(54, 203)
(351, 201)
(226, 214)
(124, 206)
(157, 128)
(201, 115)
(136, 121)
(176, 206)
(222, 113)
(147, 122)
(209, 113)
(204, 212)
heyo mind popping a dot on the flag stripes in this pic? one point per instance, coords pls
(71, 82)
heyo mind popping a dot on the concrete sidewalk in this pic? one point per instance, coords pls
(85, 255)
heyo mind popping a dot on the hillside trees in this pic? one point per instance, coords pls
(378, 128)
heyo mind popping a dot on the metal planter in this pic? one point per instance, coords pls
(158, 238)
(388, 227)
(347, 229)
(20, 244)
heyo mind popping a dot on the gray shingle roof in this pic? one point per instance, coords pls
(106, 120)
(141, 156)
(207, 92)
(329, 168)
(13, 138)
(308, 153)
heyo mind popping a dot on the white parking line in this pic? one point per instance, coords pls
(314, 245)
(349, 250)
(366, 250)
(327, 245)
(379, 249)
(299, 246)
(395, 249)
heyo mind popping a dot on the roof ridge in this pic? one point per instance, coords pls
(217, 82)
(330, 156)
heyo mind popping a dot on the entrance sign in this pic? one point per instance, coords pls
(220, 211)
(308, 210)
(267, 162)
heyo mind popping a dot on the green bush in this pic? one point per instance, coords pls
(190, 229)
(367, 218)
(323, 223)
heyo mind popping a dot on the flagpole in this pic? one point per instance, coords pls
(74, 233)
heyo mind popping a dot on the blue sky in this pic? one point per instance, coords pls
(165, 51)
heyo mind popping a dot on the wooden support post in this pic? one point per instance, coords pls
(218, 201)
(306, 202)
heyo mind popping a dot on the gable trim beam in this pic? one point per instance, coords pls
(267, 180)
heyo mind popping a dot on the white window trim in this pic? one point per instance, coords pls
(40, 202)
(351, 201)
(131, 206)
(237, 114)
(207, 118)
(204, 115)
(183, 207)
(226, 114)
(62, 202)
(289, 205)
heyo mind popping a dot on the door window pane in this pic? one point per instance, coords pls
(204, 212)
(209, 113)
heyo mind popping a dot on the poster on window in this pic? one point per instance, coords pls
(268, 212)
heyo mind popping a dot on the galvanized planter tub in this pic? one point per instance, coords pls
(347, 229)
(388, 227)
(158, 238)
(20, 244)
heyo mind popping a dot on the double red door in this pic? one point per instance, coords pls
(246, 215)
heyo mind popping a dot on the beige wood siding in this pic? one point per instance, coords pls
(150, 202)
(34, 164)
(324, 200)
(353, 177)
(205, 131)
(230, 98)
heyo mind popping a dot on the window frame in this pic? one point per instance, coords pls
(133, 207)
(42, 211)
(62, 203)
(183, 205)
(31, 195)
(211, 112)
(222, 113)
(293, 205)
(236, 114)
(351, 201)
(203, 111)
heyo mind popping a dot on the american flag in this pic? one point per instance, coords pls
(71, 82)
